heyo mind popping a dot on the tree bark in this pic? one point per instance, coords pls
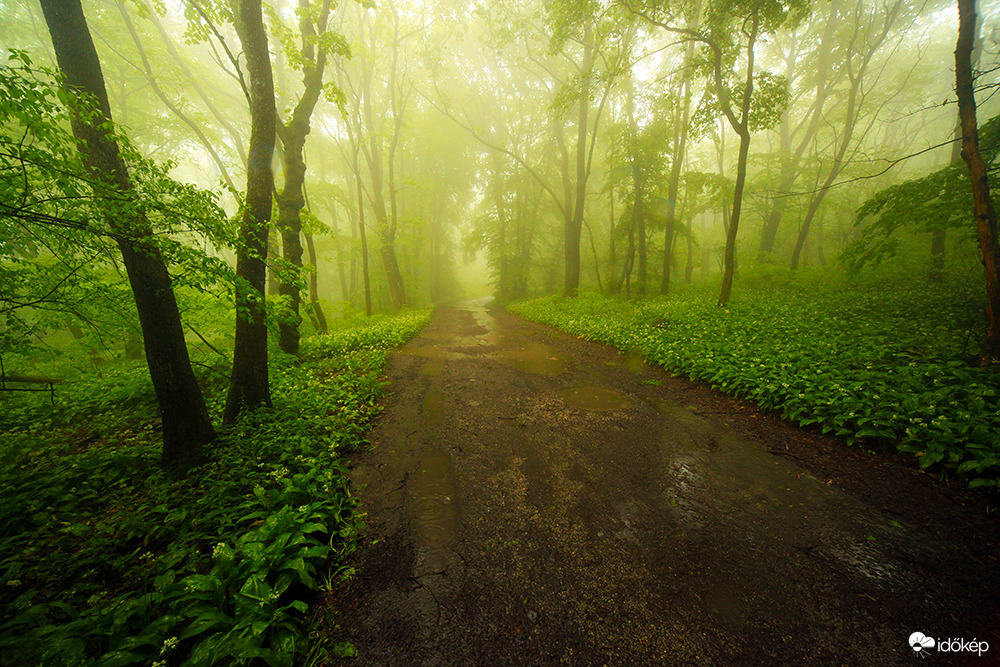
(186, 423)
(249, 388)
(574, 224)
(742, 128)
(373, 156)
(291, 199)
(680, 147)
(985, 213)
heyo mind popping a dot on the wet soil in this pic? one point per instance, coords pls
(535, 499)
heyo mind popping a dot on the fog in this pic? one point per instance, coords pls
(521, 149)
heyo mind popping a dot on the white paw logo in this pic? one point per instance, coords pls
(921, 642)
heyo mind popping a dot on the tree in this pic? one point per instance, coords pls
(317, 43)
(985, 213)
(186, 423)
(249, 387)
(681, 116)
(858, 55)
(755, 17)
(729, 37)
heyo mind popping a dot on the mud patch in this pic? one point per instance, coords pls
(597, 399)
(535, 358)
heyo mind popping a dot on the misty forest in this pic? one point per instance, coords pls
(427, 332)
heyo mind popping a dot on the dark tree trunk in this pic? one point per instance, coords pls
(364, 237)
(680, 148)
(186, 423)
(612, 286)
(986, 215)
(574, 223)
(291, 199)
(248, 387)
(386, 227)
(689, 265)
(743, 130)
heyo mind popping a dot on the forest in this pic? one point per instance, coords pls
(258, 256)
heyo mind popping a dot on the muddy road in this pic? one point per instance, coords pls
(535, 499)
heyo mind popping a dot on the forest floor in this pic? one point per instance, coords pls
(536, 499)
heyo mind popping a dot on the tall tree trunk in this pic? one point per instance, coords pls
(364, 236)
(612, 286)
(387, 232)
(186, 423)
(680, 147)
(835, 168)
(291, 199)
(939, 236)
(249, 388)
(742, 127)
(986, 215)
(273, 248)
(626, 276)
(689, 265)
(574, 224)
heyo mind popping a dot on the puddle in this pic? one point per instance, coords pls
(534, 358)
(432, 367)
(433, 408)
(594, 398)
(434, 512)
(433, 352)
(865, 558)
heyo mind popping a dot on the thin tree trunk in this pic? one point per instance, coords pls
(186, 423)
(986, 215)
(611, 242)
(317, 308)
(574, 224)
(249, 388)
(743, 130)
(597, 263)
(689, 265)
(680, 147)
(291, 199)
(364, 237)
(387, 234)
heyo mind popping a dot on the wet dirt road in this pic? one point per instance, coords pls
(534, 499)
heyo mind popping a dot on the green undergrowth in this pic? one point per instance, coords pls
(878, 363)
(106, 561)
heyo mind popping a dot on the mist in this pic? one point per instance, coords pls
(568, 331)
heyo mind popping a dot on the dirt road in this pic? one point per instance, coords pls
(535, 499)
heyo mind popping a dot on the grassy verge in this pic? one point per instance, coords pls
(875, 363)
(104, 560)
